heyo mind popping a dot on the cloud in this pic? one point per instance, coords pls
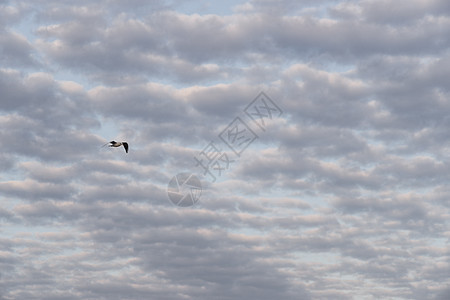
(343, 195)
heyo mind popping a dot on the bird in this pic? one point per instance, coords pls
(118, 144)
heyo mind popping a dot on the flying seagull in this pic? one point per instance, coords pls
(118, 144)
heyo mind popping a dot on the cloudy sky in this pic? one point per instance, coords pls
(342, 194)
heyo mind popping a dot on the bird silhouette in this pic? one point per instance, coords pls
(117, 144)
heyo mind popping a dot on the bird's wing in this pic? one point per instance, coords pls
(125, 145)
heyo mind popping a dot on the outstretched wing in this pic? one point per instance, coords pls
(125, 145)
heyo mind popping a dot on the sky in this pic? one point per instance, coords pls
(316, 135)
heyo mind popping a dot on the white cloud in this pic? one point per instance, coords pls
(343, 196)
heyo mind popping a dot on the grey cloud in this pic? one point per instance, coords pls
(146, 46)
(30, 189)
(343, 196)
(403, 11)
(44, 114)
(15, 50)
